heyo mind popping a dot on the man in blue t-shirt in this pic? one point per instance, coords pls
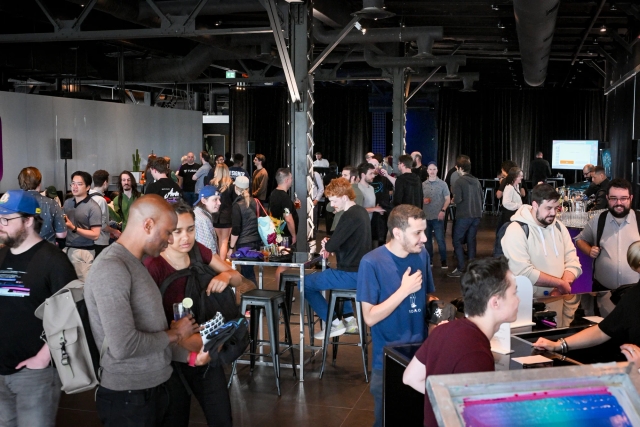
(393, 283)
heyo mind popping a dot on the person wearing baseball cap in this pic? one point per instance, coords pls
(207, 204)
(244, 224)
(33, 270)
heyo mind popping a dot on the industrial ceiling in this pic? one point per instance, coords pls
(99, 47)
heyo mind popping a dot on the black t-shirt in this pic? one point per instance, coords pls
(26, 280)
(167, 188)
(186, 172)
(236, 171)
(623, 323)
(422, 172)
(351, 239)
(278, 201)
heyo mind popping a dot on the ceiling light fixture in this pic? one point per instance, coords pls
(373, 9)
(500, 25)
(360, 28)
(495, 7)
(613, 8)
(603, 29)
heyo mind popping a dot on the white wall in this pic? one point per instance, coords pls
(104, 135)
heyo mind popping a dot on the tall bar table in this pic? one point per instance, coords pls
(301, 260)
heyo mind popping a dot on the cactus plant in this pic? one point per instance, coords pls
(136, 161)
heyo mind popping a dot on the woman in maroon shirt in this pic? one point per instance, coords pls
(208, 383)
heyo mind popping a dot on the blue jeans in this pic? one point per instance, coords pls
(462, 226)
(189, 197)
(437, 227)
(30, 397)
(314, 284)
(375, 388)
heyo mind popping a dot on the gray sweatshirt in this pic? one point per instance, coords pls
(125, 306)
(467, 195)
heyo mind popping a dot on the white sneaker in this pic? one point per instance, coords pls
(352, 326)
(336, 330)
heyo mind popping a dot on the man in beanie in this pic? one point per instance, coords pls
(32, 270)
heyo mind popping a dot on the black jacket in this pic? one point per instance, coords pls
(408, 190)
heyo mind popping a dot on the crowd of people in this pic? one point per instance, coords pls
(380, 226)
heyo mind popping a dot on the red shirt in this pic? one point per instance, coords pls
(453, 348)
(160, 269)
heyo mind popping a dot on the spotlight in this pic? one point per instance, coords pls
(613, 8)
(500, 25)
(603, 29)
(495, 7)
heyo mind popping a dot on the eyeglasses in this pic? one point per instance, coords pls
(77, 184)
(5, 221)
(618, 199)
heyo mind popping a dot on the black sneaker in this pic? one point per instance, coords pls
(444, 265)
(455, 273)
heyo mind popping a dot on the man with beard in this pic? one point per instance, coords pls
(606, 238)
(128, 193)
(587, 172)
(393, 283)
(125, 309)
(32, 270)
(600, 179)
(540, 248)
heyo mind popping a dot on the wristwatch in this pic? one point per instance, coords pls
(75, 229)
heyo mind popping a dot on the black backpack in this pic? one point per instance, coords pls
(497, 247)
(205, 306)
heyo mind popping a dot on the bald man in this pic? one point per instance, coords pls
(125, 309)
(185, 178)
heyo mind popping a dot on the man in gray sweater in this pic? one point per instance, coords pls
(467, 195)
(125, 308)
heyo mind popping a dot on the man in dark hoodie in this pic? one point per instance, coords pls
(467, 194)
(408, 187)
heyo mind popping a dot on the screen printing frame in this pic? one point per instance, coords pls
(447, 391)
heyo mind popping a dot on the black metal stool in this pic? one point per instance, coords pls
(289, 279)
(334, 296)
(271, 302)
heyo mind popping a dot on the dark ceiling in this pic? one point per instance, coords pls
(589, 37)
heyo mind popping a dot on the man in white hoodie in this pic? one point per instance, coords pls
(540, 248)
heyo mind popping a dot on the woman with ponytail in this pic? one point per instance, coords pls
(244, 223)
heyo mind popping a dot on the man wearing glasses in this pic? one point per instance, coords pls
(606, 239)
(32, 270)
(587, 171)
(84, 222)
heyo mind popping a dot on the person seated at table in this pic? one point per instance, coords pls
(622, 324)
(462, 345)
(350, 241)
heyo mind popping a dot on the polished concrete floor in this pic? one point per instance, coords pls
(341, 398)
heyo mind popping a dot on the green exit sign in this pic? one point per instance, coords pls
(231, 74)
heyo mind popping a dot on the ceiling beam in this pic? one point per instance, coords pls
(144, 33)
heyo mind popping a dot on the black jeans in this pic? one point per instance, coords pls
(208, 386)
(133, 408)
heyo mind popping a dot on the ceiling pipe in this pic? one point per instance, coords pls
(535, 24)
(380, 35)
(451, 62)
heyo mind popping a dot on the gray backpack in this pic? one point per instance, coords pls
(67, 332)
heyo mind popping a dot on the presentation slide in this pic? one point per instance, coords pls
(574, 154)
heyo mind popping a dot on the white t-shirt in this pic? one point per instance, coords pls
(369, 196)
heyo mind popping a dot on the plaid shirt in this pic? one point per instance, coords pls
(205, 234)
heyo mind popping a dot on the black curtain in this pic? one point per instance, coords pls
(491, 126)
(342, 131)
(261, 115)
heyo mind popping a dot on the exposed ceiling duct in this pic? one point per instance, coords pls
(379, 35)
(535, 24)
(451, 62)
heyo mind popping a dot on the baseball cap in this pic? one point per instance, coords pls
(52, 192)
(242, 182)
(207, 191)
(19, 201)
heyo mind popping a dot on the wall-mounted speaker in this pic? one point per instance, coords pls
(66, 151)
